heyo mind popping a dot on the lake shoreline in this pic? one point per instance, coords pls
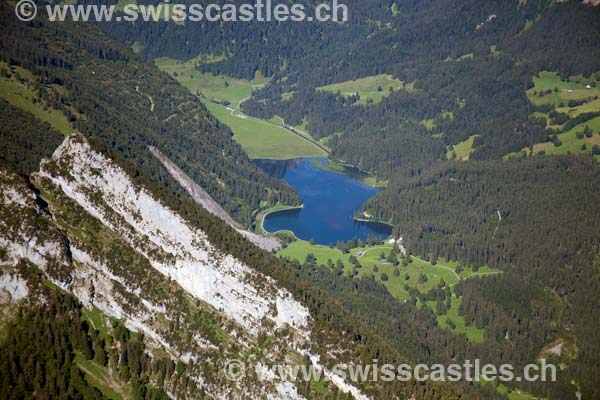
(260, 217)
(372, 221)
(340, 167)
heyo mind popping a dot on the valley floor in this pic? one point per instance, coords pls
(223, 96)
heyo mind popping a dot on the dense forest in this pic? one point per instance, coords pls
(535, 218)
(40, 345)
(20, 135)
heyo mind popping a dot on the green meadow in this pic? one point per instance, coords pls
(262, 139)
(218, 88)
(461, 151)
(418, 274)
(18, 94)
(456, 323)
(371, 87)
(99, 377)
(428, 123)
(96, 374)
(223, 96)
(572, 142)
(550, 89)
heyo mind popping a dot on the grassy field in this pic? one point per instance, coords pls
(96, 320)
(572, 141)
(462, 150)
(262, 139)
(591, 106)
(550, 89)
(21, 96)
(137, 47)
(223, 96)
(219, 88)
(370, 257)
(572, 89)
(408, 277)
(428, 123)
(368, 87)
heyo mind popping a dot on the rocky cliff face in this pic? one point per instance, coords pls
(171, 246)
(92, 232)
(89, 229)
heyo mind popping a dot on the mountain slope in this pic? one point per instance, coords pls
(536, 218)
(109, 94)
(111, 244)
(468, 70)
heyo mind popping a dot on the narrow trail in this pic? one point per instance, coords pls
(108, 382)
(378, 248)
(137, 89)
(449, 269)
(498, 224)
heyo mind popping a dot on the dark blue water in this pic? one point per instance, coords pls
(330, 200)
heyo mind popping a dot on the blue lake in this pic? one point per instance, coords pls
(330, 200)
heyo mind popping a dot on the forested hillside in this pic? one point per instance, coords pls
(468, 68)
(537, 219)
(78, 242)
(112, 96)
